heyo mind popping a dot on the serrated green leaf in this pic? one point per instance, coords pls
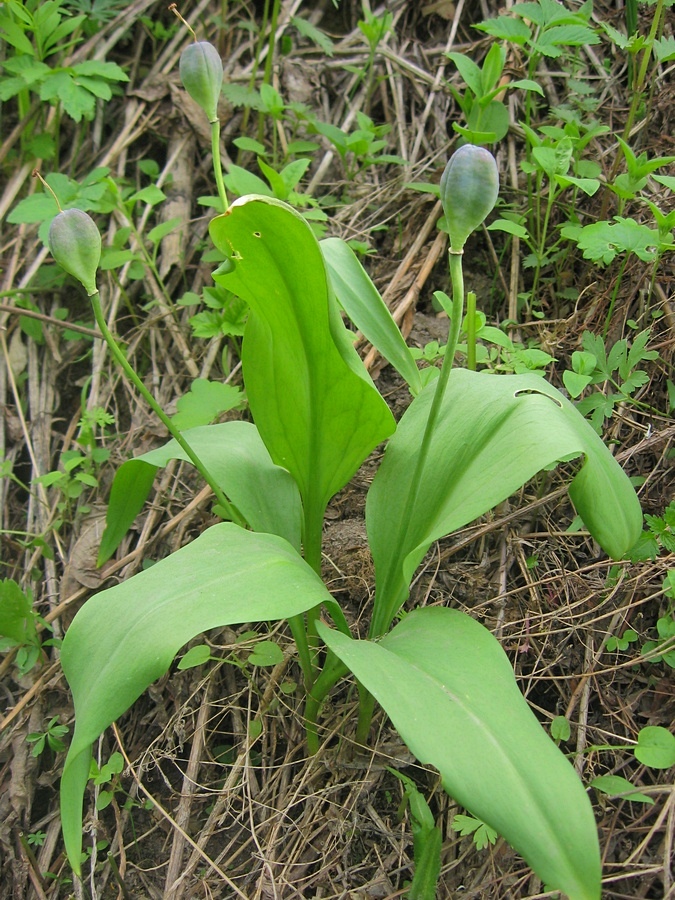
(239, 95)
(204, 402)
(314, 34)
(601, 241)
(506, 28)
(99, 69)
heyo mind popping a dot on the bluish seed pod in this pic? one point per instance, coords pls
(469, 191)
(75, 244)
(201, 71)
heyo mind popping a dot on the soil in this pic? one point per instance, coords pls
(204, 807)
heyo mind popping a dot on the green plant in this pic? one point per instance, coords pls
(487, 117)
(79, 467)
(466, 443)
(18, 625)
(618, 368)
(360, 148)
(50, 737)
(374, 29)
(106, 776)
(603, 241)
(41, 34)
(655, 746)
(658, 537)
(427, 840)
(555, 167)
(36, 839)
(481, 834)
(663, 649)
(622, 643)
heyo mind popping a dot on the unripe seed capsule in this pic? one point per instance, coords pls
(201, 71)
(75, 244)
(469, 190)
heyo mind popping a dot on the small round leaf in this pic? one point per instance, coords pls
(655, 747)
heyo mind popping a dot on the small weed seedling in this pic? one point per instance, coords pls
(617, 370)
(18, 621)
(468, 441)
(50, 738)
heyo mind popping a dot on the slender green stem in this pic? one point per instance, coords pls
(217, 167)
(471, 331)
(383, 615)
(125, 365)
(366, 709)
(642, 73)
(615, 292)
(333, 670)
(299, 632)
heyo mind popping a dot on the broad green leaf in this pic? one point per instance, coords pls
(560, 729)
(150, 194)
(514, 228)
(126, 637)
(588, 185)
(361, 300)
(160, 231)
(655, 747)
(449, 689)
(616, 786)
(196, 656)
(266, 653)
(575, 382)
(242, 182)
(493, 434)
(525, 84)
(234, 454)
(311, 398)
(492, 119)
(469, 71)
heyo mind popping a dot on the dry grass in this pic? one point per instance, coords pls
(233, 816)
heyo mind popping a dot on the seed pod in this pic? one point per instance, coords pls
(469, 190)
(75, 244)
(201, 71)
